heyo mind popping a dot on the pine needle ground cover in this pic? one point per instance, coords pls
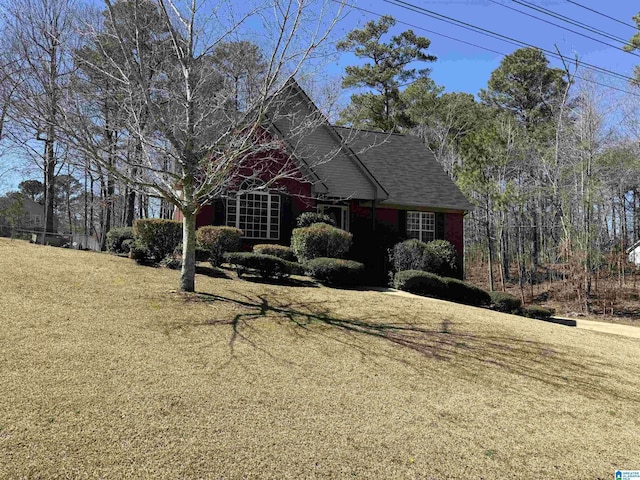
(105, 372)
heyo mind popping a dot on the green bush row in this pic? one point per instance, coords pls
(268, 266)
(452, 289)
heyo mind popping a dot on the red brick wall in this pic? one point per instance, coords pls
(454, 231)
(388, 216)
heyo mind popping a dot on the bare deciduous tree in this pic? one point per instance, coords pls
(40, 33)
(198, 134)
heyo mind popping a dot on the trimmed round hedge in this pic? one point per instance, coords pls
(420, 283)
(307, 219)
(437, 256)
(268, 266)
(461, 292)
(116, 238)
(159, 237)
(320, 240)
(335, 271)
(217, 240)
(536, 311)
(280, 251)
(505, 302)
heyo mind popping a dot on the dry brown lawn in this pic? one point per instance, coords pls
(105, 372)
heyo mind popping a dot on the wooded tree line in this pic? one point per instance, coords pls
(549, 156)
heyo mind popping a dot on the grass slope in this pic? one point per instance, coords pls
(105, 373)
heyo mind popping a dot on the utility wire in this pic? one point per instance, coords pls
(563, 27)
(489, 33)
(589, 80)
(635, 27)
(564, 18)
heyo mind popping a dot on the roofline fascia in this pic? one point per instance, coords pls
(359, 163)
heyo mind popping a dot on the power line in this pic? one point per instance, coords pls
(595, 82)
(564, 27)
(495, 35)
(564, 18)
(603, 14)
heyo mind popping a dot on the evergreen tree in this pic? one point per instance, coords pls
(525, 85)
(388, 70)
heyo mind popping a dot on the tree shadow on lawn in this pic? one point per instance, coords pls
(211, 272)
(535, 360)
(287, 281)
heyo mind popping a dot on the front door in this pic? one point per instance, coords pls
(339, 214)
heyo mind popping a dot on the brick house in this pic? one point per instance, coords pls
(381, 187)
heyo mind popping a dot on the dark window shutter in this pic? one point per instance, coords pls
(218, 212)
(440, 227)
(287, 218)
(402, 223)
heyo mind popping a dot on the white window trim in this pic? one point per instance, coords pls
(237, 199)
(344, 213)
(422, 224)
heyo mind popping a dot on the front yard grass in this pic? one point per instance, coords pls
(106, 372)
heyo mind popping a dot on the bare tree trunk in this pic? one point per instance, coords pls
(49, 185)
(490, 246)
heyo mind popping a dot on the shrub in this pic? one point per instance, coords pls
(159, 236)
(307, 219)
(218, 240)
(127, 245)
(445, 288)
(116, 237)
(408, 255)
(335, 271)
(140, 254)
(420, 283)
(320, 240)
(171, 262)
(280, 251)
(438, 256)
(536, 311)
(461, 292)
(202, 255)
(268, 266)
(504, 302)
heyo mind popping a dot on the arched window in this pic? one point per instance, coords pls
(255, 212)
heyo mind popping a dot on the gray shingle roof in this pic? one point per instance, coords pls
(311, 138)
(406, 169)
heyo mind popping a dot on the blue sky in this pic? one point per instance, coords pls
(465, 68)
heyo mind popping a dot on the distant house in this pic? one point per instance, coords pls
(33, 215)
(633, 253)
(18, 211)
(380, 187)
(22, 213)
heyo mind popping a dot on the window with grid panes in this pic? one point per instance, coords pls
(421, 225)
(257, 214)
